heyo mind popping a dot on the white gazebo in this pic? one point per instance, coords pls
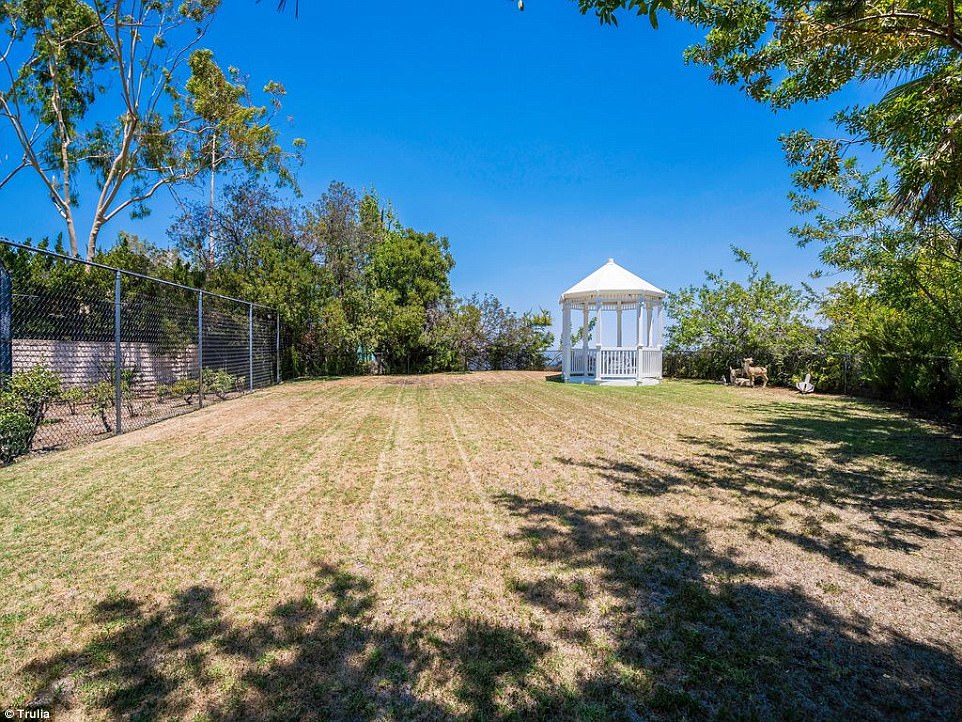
(613, 289)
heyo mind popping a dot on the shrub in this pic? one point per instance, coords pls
(128, 376)
(187, 388)
(31, 393)
(16, 435)
(164, 392)
(219, 382)
(102, 400)
(72, 396)
(128, 397)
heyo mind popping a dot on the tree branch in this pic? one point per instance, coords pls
(23, 164)
(145, 196)
(930, 28)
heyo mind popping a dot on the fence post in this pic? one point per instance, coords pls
(6, 326)
(200, 349)
(118, 392)
(250, 344)
(277, 346)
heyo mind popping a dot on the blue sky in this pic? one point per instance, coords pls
(540, 143)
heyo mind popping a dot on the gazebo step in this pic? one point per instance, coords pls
(592, 381)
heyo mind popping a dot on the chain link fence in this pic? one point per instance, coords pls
(88, 350)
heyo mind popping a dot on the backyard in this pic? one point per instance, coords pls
(491, 546)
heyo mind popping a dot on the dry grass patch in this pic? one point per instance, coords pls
(491, 546)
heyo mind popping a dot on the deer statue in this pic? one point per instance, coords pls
(754, 372)
(738, 377)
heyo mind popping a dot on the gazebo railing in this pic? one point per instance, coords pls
(650, 362)
(616, 362)
(582, 362)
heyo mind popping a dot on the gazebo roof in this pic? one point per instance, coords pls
(611, 281)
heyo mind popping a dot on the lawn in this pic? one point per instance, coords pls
(491, 546)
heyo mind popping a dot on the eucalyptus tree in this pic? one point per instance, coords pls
(120, 95)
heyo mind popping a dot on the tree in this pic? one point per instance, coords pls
(414, 265)
(349, 280)
(120, 94)
(759, 318)
(481, 333)
(247, 211)
(260, 256)
(409, 275)
(340, 239)
(905, 264)
(457, 337)
(900, 309)
(334, 232)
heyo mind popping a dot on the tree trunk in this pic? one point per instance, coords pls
(72, 235)
(210, 217)
(92, 238)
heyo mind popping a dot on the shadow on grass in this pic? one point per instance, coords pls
(903, 475)
(696, 638)
(687, 634)
(320, 656)
(311, 379)
(873, 431)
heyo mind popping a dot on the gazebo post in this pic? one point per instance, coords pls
(660, 329)
(565, 340)
(639, 338)
(619, 324)
(648, 324)
(598, 329)
(584, 340)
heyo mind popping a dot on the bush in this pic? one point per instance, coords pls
(72, 396)
(127, 395)
(164, 392)
(31, 393)
(102, 400)
(187, 388)
(128, 376)
(16, 435)
(220, 382)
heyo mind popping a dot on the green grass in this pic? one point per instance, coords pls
(496, 547)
